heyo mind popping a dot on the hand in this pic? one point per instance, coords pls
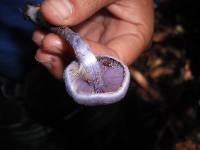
(120, 28)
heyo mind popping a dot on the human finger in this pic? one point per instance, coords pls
(71, 12)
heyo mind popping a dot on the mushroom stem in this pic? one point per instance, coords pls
(89, 67)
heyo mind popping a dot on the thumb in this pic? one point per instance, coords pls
(71, 12)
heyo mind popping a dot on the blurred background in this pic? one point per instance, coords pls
(160, 111)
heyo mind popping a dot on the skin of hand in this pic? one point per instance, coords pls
(119, 28)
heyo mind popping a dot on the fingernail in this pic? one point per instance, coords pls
(63, 8)
(47, 65)
(36, 41)
(37, 59)
(38, 37)
(49, 59)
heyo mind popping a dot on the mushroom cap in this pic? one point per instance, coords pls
(115, 75)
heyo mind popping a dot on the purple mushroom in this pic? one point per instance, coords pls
(115, 78)
(90, 80)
